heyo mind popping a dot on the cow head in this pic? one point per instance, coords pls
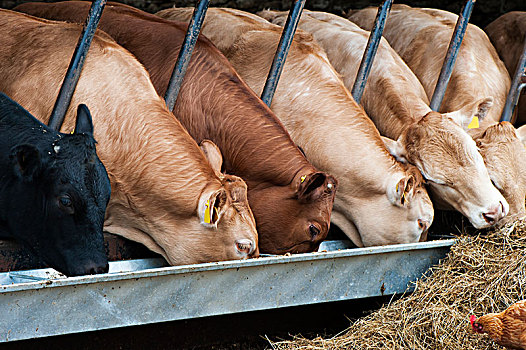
(505, 158)
(62, 190)
(298, 217)
(396, 210)
(449, 160)
(223, 211)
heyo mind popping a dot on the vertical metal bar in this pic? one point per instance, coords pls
(75, 66)
(370, 50)
(282, 51)
(185, 54)
(516, 86)
(451, 56)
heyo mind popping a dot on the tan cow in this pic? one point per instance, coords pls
(165, 194)
(396, 101)
(507, 34)
(421, 37)
(467, 85)
(379, 201)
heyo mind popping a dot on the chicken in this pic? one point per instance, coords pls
(507, 328)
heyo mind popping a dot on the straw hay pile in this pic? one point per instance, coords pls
(483, 273)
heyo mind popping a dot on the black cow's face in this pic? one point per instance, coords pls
(68, 195)
(63, 193)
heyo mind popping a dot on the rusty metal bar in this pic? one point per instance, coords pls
(75, 66)
(281, 53)
(517, 84)
(370, 50)
(451, 56)
(185, 54)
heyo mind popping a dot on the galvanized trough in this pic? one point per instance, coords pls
(40, 303)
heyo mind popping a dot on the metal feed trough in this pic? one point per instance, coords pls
(40, 303)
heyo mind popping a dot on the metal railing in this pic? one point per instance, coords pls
(370, 51)
(185, 54)
(517, 84)
(451, 56)
(75, 66)
(282, 51)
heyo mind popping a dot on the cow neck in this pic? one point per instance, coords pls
(399, 104)
(154, 136)
(472, 79)
(254, 142)
(334, 131)
(393, 97)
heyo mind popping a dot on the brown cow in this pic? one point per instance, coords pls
(421, 37)
(379, 201)
(507, 34)
(290, 199)
(164, 192)
(395, 100)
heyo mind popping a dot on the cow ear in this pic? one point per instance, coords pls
(472, 114)
(26, 161)
(521, 133)
(211, 207)
(312, 186)
(213, 155)
(84, 123)
(395, 148)
(401, 192)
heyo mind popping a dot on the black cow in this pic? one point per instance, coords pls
(53, 190)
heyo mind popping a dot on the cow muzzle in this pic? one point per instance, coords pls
(245, 247)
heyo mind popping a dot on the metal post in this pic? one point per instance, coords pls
(451, 56)
(185, 54)
(75, 66)
(370, 50)
(517, 84)
(282, 51)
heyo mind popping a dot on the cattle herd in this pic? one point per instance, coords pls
(225, 177)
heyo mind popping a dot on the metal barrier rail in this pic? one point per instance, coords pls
(75, 66)
(517, 84)
(282, 51)
(185, 54)
(370, 50)
(40, 303)
(451, 56)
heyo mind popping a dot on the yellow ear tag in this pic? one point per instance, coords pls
(474, 123)
(303, 178)
(207, 212)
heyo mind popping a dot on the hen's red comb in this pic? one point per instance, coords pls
(472, 319)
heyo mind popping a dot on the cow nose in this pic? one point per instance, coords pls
(424, 224)
(245, 246)
(494, 214)
(93, 269)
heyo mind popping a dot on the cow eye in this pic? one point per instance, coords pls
(65, 201)
(314, 231)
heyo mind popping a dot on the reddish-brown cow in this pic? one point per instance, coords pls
(290, 199)
(508, 33)
(165, 194)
